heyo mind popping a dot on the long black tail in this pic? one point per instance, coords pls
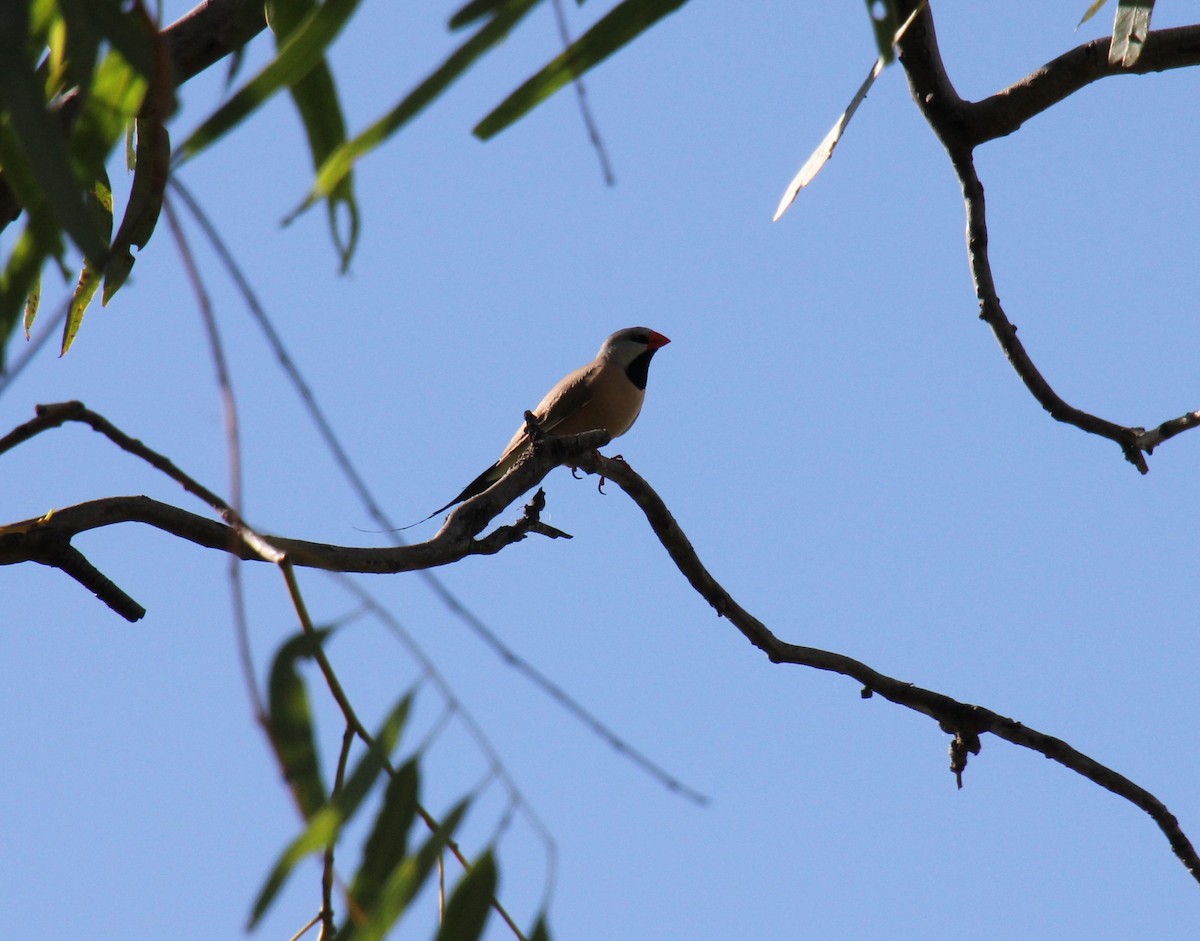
(476, 486)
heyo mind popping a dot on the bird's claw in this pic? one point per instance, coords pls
(575, 472)
(600, 486)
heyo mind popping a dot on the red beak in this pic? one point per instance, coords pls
(656, 340)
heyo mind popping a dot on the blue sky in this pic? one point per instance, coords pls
(834, 428)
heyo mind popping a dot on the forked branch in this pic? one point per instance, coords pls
(28, 541)
(963, 125)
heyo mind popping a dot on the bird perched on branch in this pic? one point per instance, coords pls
(604, 395)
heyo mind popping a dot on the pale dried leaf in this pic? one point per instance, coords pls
(1130, 28)
(820, 156)
(812, 166)
(1090, 12)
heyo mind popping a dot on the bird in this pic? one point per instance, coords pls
(605, 395)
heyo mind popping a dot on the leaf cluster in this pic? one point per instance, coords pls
(394, 865)
(78, 76)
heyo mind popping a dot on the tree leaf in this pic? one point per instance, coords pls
(41, 137)
(1090, 12)
(471, 902)
(624, 23)
(326, 824)
(85, 289)
(387, 844)
(474, 11)
(91, 20)
(32, 301)
(114, 99)
(339, 163)
(289, 722)
(150, 174)
(302, 52)
(819, 157)
(1130, 28)
(541, 931)
(404, 882)
(316, 99)
(89, 277)
(884, 21)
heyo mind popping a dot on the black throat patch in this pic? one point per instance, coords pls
(639, 370)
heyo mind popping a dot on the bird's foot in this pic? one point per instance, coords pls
(575, 472)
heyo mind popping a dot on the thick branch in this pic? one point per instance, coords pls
(1002, 113)
(210, 31)
(966, 722)
(47, 539)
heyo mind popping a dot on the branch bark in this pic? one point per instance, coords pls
(963, 125)
(964, 721)
(47, 540)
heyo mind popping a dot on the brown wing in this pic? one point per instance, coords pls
(567, 397)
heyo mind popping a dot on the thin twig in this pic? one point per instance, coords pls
(585, 109)
(229, 412)
(328, 927)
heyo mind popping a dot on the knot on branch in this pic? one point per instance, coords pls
(965, 742)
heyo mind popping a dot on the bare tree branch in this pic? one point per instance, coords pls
(962, 720)
(962, 125)
(210, 31)
(47, 539)
(1002, 113)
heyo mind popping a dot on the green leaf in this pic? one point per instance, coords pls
(339, 163)
(471, 902)
(114, 99)
(326, 824)
(884, 21)
(290, 724)
(387, 845)
(1130, 28)
(32, 301)
(89, 280)
(301, 53)
(131, 34)
(541, 931)
(404, 882)
(23, 271)
(474, 11)
(150, 174)
(316, 100)
(1090, 12)
(74, 45)
(89, 277)
(624, 23)
(41, 138)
